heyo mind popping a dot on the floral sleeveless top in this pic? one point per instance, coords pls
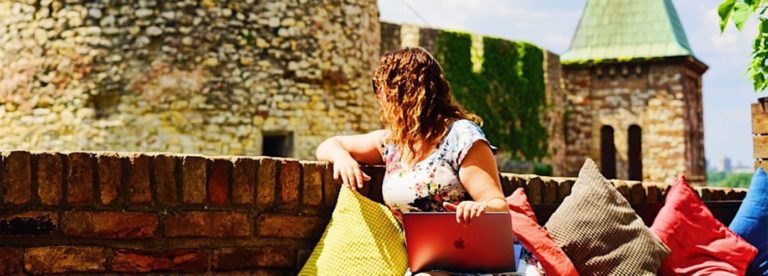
(433, 180)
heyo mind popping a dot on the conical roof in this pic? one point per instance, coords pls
(627, 29)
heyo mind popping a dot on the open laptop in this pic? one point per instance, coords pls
(435, 241)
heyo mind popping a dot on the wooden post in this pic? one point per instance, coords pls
(760, 134)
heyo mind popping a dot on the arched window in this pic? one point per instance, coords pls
(607, 152)
(635, 152)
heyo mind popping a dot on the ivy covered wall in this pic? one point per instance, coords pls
(508, 91)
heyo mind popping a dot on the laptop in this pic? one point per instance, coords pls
(435, 241)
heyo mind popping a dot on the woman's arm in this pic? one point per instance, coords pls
(347, 151)
(480, 176)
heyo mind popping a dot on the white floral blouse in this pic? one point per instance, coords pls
(433, 180)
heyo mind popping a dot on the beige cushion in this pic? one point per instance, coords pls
(600, 232)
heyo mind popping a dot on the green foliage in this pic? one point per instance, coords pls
(508, 92)
(739, 12)
(730, 180)
(542, 169)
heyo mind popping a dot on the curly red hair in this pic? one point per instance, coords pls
(418, 108)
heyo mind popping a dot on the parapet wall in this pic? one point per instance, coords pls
(157, 212)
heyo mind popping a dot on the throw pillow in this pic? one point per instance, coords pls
(600, 232)
(700, 244)
(751, 221)
(362, 238)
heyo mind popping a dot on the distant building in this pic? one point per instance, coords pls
(725, 164)
(634, 93)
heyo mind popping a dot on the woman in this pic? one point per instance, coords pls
(436, 156)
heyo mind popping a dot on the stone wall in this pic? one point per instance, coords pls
(663, 98)
(193, 76)
(169, 213)
(394, 36)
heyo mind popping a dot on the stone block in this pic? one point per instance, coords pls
(11, 260)
(290, 175)
(312, 174)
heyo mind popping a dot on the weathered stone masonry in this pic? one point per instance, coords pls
(662, 97)
(104, 212)
(189, 76)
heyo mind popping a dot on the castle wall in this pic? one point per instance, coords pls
(395, 36)
(662, 98)
(185, 76)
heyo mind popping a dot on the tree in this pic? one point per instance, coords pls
(739, 12)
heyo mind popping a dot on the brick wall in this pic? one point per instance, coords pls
(77, 212)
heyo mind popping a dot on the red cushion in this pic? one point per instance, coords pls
(699, 243)
(535, 238)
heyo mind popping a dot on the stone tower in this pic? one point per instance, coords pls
(634, 93)
(237, 77)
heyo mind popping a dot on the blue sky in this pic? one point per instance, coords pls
(550, 24)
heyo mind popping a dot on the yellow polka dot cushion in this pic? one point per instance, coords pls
(362, 238)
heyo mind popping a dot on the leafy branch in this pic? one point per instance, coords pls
(739, 11)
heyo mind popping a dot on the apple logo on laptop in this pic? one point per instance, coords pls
(459, 244)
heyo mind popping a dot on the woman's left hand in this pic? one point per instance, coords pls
(466, 210)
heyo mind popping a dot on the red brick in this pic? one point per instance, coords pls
(80, 178)
(208, 224)
(374, 185)
(290, 174)
(11, 260)
(110, 175)
(218, 184)
(534, 191)
(266, 179)
(312, 191)
(138, 179)
(50, 175)
(164, 167)
(302, 256)
(290, 226)
(61, 259)
(32, 223)
(109, 224)
(243, 180)
(17, 178)
(142, 261)
(194, 177)
(331, 187)
(247, 258)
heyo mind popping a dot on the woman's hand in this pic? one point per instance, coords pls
(466, 210)
(346, 168)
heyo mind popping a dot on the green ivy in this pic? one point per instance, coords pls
(508, 93)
